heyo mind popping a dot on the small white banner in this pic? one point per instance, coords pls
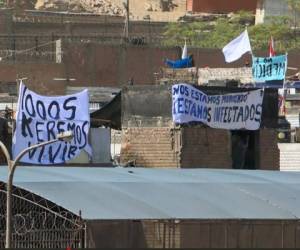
(231, 111)
(41, 118)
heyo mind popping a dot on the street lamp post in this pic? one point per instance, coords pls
(12, 164)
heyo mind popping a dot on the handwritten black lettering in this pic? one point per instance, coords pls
(68, 107)
(41, 110)
(25, 126)
(54, 105)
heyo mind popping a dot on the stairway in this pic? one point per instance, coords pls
(289, 156)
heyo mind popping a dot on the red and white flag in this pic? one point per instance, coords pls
(271, 48)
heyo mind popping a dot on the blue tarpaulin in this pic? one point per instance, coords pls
(181, 63)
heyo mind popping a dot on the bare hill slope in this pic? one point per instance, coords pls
(155, 10)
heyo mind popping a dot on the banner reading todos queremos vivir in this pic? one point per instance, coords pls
(231, 111)
(41, 118)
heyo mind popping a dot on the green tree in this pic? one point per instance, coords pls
(204, 34)
(279, 29)
(217, 33)
(2, 4)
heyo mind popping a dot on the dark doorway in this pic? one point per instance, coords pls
(244, 150)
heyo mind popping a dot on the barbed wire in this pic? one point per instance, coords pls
(18, 52)
(32, 221)
(42, 230)
(11, 53)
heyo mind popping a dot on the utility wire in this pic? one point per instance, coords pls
(27, 50)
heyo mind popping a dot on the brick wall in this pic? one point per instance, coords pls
(268, 149)
(5, 21)
(194, 147)
(206, 148)
(217, 6)
(149, 147)
(109, 65)
(40, 77)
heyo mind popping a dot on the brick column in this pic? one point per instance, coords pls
(268, 149)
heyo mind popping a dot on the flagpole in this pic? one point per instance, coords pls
(283, 87)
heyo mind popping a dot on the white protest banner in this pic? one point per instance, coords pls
(231, 111)
(41, 118)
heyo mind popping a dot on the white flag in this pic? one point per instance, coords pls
(237, 47)
(184, 52)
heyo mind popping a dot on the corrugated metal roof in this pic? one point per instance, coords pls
(140, 193)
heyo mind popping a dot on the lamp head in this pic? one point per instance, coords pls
(65, 136)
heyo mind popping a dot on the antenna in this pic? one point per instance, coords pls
(126, 6)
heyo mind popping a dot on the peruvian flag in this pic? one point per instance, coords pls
(271, 48)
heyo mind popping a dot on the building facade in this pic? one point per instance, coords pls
(150, 139)
(268, 8)
(217, 6)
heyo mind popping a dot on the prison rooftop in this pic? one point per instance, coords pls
(143, 193)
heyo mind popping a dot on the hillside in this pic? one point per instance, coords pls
(155, 10)
(110, 7)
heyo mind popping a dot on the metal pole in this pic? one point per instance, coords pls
(284, 81)
(8, 207)
(11, 169)
(8, 199)
(85, 236)
(127, 20)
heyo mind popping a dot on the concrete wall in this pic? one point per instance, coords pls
(233, 234)
(289, 156)
(145, 28)
(100, 143)
(40, 76)
(276, 8)
(82, 158)
(109, 65)
(146, 106)
(99, 140)
(185, 234)
(6, 21)
(115, 65)
(217, 6)
(267, 8)
(38, 23)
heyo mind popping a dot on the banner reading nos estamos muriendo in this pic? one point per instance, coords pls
(231, 111)
(40, 118)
